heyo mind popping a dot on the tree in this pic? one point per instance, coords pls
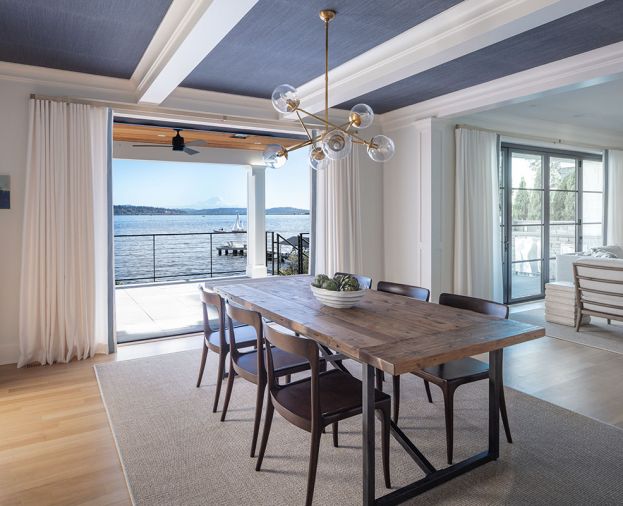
(521, 202)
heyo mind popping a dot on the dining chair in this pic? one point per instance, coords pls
(317, 401)
(364, 281)
(217, 340)
(413, 292)
(451, 375)
(250, 365)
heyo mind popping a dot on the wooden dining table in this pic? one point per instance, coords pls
(397, 335)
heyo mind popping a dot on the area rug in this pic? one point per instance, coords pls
(597, 334)
(175, 451)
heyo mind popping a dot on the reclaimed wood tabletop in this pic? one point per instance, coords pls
(393, 333)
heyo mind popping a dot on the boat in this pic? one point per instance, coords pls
(237, 227)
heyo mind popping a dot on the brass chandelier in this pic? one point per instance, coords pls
(334, 142)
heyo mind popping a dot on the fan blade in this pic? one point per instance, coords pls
(151, 146)
(189, 151)
(197, 142)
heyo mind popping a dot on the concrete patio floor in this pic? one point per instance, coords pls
(144, 312)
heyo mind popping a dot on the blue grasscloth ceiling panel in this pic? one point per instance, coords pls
(104, 37)
(590, 28)
(282, 41)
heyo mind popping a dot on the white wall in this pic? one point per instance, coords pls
(418, 211)
(371, 199)
(13, 141)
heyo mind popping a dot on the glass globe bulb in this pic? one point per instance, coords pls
(361, 116)
(337, 145)
(317, 159)
(285, 98)
(275, 156)
(381, 148)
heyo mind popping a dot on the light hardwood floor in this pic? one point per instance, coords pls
(56, 447)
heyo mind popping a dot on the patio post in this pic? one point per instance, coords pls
(256, 221)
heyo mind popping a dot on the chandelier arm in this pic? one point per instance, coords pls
(301, 144)
(309, 136)
(367, 143)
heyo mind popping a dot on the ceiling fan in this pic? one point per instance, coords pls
(177, 144)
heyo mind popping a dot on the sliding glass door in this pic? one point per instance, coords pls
(550, 200)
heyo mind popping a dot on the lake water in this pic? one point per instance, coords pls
(142, 256)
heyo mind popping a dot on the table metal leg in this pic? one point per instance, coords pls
(435, 477)
(495, 387)
(368, 375)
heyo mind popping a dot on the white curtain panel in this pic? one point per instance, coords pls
(477, 250)
(64, 275)
(338, 244)
(615, 197)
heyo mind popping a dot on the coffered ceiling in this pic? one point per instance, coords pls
(282, 41)
(92, 36)
(388, 53)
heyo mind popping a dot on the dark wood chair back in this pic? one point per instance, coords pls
(481, 306)
(414, 292)
(214, 300)
(296, 345)
(364, 281)
(252, 319)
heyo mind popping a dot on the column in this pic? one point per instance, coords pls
(256, 221)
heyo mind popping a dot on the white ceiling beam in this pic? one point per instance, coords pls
(467, 27)
(190, 30)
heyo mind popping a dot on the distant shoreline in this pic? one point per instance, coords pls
(126, 210)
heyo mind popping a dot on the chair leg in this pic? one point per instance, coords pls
(380, 377)
(578, 321)
(259, 402)
(270, 409)
(609, 321)
(313, 464)
(204, 355)
(230, 384)
(335, 434)
(504, 414)
(396, 397)
(220, 375)
(385, 426)
(448, 400)
(428, 394)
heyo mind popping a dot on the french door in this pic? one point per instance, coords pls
(552, 203)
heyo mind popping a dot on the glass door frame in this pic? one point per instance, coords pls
(506, 208)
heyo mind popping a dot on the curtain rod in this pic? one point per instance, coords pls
(542, 139)
(214, 119)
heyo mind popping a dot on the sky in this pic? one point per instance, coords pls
(206, 185)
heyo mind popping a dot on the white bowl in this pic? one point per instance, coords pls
(340, 300)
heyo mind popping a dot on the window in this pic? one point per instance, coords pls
(552, 203)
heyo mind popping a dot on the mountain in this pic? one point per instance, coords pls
(125, 210)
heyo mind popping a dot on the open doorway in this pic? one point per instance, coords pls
(180, 218)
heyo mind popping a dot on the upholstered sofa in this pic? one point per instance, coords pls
(564, 263)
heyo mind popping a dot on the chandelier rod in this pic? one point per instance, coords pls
(326, 71)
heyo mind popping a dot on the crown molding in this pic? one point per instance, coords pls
(516, 128)
(579, 71)
(49, 77)
(460, 30)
